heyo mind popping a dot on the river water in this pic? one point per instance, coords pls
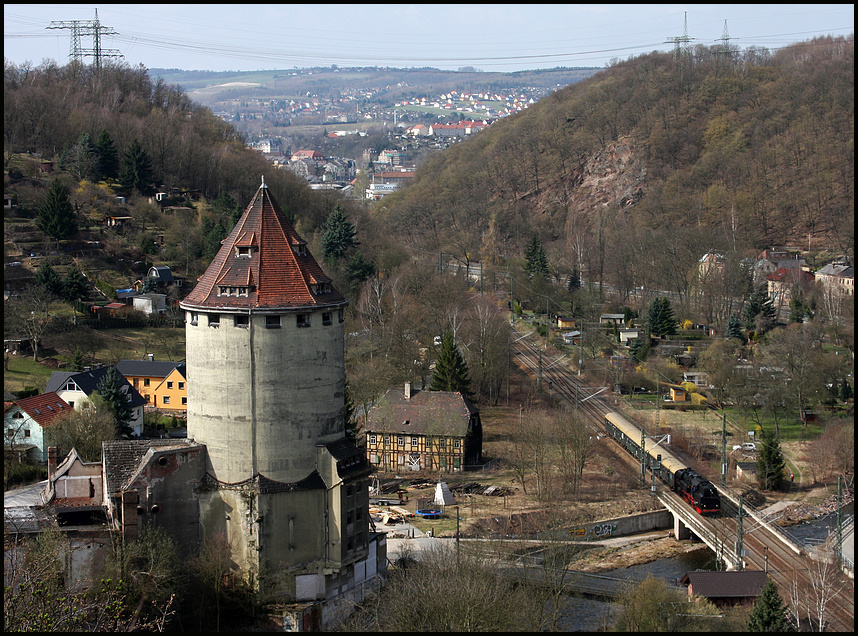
(588, 615)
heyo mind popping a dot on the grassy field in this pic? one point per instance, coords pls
(99, 345)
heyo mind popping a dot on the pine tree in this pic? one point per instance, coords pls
(574, 281)
(770, 461)
(451, 371)
(112, 390)
(660, 320)
(537, 262)
(56, 216)
(769, 613)
(359, 269)
(74, 285)
(667, 321)
(339, 235)
(47, 277)
(136, 170)
(734, 328)
(759, 311)
(108, 156)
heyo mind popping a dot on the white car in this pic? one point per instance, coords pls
(747, 446)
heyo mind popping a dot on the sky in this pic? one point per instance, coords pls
(488, 37)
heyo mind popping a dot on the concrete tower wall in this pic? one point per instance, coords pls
(261, 397)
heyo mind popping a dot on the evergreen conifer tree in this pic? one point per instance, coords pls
(451, 371)
(537, 262)
(56, 216)
(47, 277)
(339, 235)
(759, 308)
(574, 281)
(74, 285)
(111, 388)
(660, 319)
(108, 156)
(667, 321)
(734, 328)
(770, 461)
(137, 173)
(769, 613)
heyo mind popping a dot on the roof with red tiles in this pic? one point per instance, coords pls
(263, 264)
(44, 408)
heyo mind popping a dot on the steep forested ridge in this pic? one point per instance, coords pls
(47, 109)
(660, 154)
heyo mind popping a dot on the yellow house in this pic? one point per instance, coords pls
(147, 375)
(172, 393)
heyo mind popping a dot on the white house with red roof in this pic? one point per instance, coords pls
(26, 420)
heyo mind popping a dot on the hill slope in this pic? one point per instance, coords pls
(653, 155)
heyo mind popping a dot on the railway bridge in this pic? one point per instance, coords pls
(740, 540)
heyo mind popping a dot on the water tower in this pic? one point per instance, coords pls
(266, 376)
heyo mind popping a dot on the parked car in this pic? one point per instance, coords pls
(746, 446)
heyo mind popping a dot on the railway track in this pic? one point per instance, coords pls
(789, 567)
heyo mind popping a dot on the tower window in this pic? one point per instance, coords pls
(272, 322)
(326, 318)
(242, 320)
(243, 251)
(214, 320)
(193, 317)
(300, 249)
(303, 320)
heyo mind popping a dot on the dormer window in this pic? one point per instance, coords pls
(301, 249)
(243, 251)
(323, 288)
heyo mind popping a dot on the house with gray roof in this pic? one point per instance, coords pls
(76, 388)
(736, 587)
(423, 430)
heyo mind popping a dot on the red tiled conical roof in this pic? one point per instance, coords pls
(264, 255)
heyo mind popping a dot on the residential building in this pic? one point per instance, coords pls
(423, 430)
(76, 388)
(725, 589)
(148, 377)
(313, 155)
(172, 393)
(26, 420)
(150, 304)
(785, 283)
(838, 279)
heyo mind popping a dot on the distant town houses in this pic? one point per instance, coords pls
(837, 279)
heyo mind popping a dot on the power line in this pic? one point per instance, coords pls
(92, 28)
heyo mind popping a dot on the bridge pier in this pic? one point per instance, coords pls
(680, 530)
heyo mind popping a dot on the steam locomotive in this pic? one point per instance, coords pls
(696, 490)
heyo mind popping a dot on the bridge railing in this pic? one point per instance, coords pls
(757, 516)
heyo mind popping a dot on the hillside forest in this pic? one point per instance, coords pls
(620, 184)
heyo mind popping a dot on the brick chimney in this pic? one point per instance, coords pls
(53, 457)
(408, 390)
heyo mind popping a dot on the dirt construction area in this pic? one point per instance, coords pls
(501, 503)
